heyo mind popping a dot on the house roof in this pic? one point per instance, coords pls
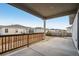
(48, 10)
(57, 29)
(40, 28)
(14, 26)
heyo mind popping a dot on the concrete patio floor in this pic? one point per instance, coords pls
(52, 46)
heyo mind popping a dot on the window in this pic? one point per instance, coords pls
(16, 31)
(6, 30)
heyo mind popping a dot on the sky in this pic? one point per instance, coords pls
(11, 15)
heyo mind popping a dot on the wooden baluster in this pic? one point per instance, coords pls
(28, 41)
(8, 42)
(5, 43)
(2, 44)
(18, 40)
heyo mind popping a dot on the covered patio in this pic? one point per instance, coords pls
(50, 46)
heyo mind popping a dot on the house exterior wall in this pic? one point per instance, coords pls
(0, 31)
(38, 30)
(75, 30)
(13, 31)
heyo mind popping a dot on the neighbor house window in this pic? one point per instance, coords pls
(16, 31)
(6, 30)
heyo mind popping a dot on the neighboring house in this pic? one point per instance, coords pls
(13, 29)
(39, 30)
(58, 32)
(0, 31)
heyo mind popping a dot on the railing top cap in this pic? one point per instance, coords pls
(19, 34)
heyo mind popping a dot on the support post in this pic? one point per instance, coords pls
(78, 31)
(44, 29)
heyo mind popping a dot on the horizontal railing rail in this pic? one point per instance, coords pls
(10, 42)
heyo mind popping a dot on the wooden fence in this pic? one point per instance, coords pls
(10, 42)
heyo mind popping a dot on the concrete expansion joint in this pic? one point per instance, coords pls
(37, 52)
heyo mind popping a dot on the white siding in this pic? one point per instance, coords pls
(74, 29)
(13, 31)
(0, 31)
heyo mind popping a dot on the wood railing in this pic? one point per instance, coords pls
(10, 42)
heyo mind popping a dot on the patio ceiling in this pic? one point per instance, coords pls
(48, 10)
